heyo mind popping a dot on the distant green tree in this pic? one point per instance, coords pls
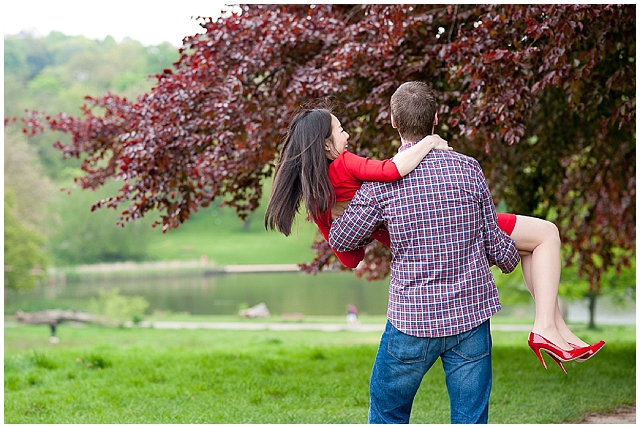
(25, 259)
(47, 83)
(27, 193)
(15, 58)
(159, 57)
(64, 48)
(56, 72)
(24, 177)
(80, 236)
(25, 55)
(618, 284)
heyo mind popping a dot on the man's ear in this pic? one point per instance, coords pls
(393, 123)
(435, 120)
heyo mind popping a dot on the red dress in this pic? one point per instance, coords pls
(506, 222)
(346, 173)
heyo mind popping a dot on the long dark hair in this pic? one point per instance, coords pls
(302, 172)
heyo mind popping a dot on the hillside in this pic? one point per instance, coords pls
(221, 236)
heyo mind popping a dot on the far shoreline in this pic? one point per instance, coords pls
(164, 268)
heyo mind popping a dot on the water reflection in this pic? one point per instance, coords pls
(289, 292)
(324, 294)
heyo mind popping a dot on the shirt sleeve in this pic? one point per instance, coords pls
(365, 169)
(500, 248)
(350, 259)
(352, 230)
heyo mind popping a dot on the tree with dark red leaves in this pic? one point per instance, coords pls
(542, 95)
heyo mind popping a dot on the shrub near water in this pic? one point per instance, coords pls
(114, 309)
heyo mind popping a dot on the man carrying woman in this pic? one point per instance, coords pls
(441, 226)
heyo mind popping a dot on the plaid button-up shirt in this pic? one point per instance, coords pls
(444, 236)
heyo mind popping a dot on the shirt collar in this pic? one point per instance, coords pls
(407, 144)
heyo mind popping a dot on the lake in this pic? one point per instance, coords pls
(222, 294)
(326, 294)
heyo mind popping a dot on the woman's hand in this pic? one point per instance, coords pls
(436, 142)
(407, 160)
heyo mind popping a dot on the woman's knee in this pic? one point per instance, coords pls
(549, 232)
(530, 232)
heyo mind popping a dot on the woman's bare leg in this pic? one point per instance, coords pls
(541, 272)
(525, 264)
(562, 327)
(565, 331)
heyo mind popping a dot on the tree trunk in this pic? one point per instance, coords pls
(592, 310)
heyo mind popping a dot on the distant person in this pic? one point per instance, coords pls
(352, 313)
(52, 326)
(444, 236)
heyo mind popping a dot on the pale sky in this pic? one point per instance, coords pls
(149, 22)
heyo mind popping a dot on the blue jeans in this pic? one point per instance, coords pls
(403, 360)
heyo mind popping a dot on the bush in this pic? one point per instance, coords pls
(113, 309)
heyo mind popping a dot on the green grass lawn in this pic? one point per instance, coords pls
(104, 375)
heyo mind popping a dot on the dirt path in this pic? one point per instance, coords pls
(621, 415)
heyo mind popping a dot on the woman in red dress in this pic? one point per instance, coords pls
(316, 167)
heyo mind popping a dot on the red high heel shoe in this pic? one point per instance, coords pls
(592, 351)
(537, 343)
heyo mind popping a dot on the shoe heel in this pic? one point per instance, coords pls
(557, 361)
(536, 351)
